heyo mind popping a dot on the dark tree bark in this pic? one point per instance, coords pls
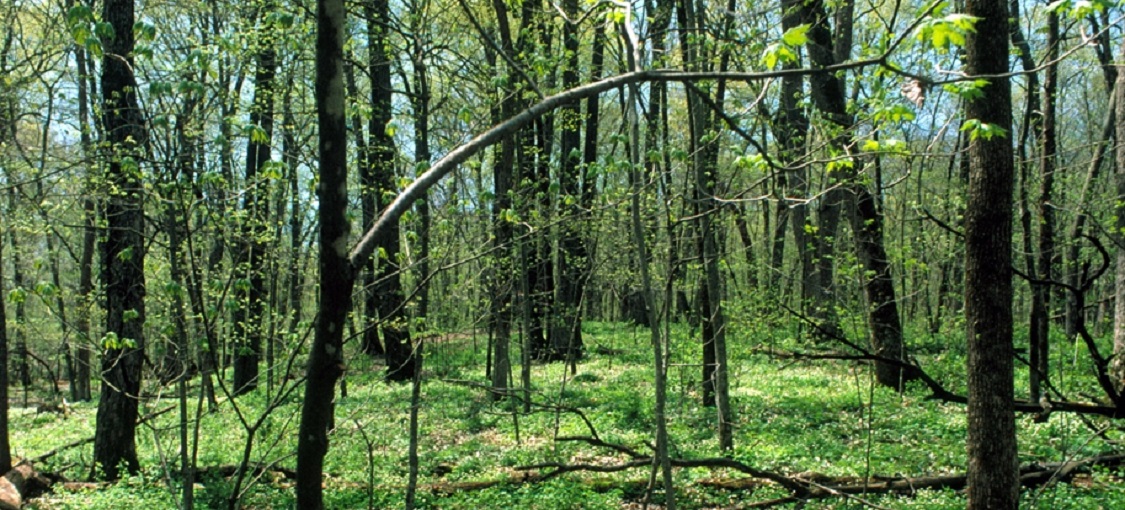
(1104, 51)
(993, 480)
(1039, 336)
(532, 181)
(828, 94)
(22, 368)
(326, 362)
(420, 101)
(80, 386)
(501, 272)
(296, 212)
(5, 136)
(177, 357)
(566, 321)
(368, 200)
(122, 251)
(790, 129)
(1118, 368)
(705, 174)
(5, 447)
(250, 253)
(379, 181)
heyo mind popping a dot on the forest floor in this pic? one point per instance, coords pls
(823, 423)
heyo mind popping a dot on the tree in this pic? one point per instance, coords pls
(993, 481)
(705, 166)
(123, 251)
(326, 356)
(250, 252)
(829, 96)
(5, 447)
(565, 330)
(5, 110)
(1119, 281)
(379, 180)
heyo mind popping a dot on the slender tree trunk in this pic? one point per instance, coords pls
(80, 385)
(252, 246)
(1074, 312)
(1104, 51)
(566, 321)
(392, 303)
(123, 251)
(501, 277)
(661, 458)
(22, 368)
(368, 194)
(1118, 367)
(790, 130)
(296, 212)
(993, 481)
(5, 446)
(705, 173)
(6, 131)
(422, 156)
(326, 361)
(1040, 344)
(828, 94)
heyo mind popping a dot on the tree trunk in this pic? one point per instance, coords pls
(5, 136)
(790, 130)
(80, 385)
(420, 101)
(122, 251)
(252, 246)
(501, 273)
(22, 368)
(993, 480)
(326, 361)
(705, 175)
(5, 446)
(566, 321)
(659, 358)
(380, 178)
(1040, 345)
(1119, 285)
(828, 94)
(296, 213)
(368, 199)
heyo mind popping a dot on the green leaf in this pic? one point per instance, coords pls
(144, 31)
(272, 170)
(110, 341)
(796, 36)
(968, 90)
(17, 296)
(946, 31)
(978, 129)
(94, 46)
(80, 13)
(46, 289)
(104, 31)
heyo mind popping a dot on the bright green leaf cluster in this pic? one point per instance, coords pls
(978, 129)
(786, 49)
(967, 90)
(944, 32)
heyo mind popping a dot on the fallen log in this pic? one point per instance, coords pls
(806, 486)
(21, 483)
